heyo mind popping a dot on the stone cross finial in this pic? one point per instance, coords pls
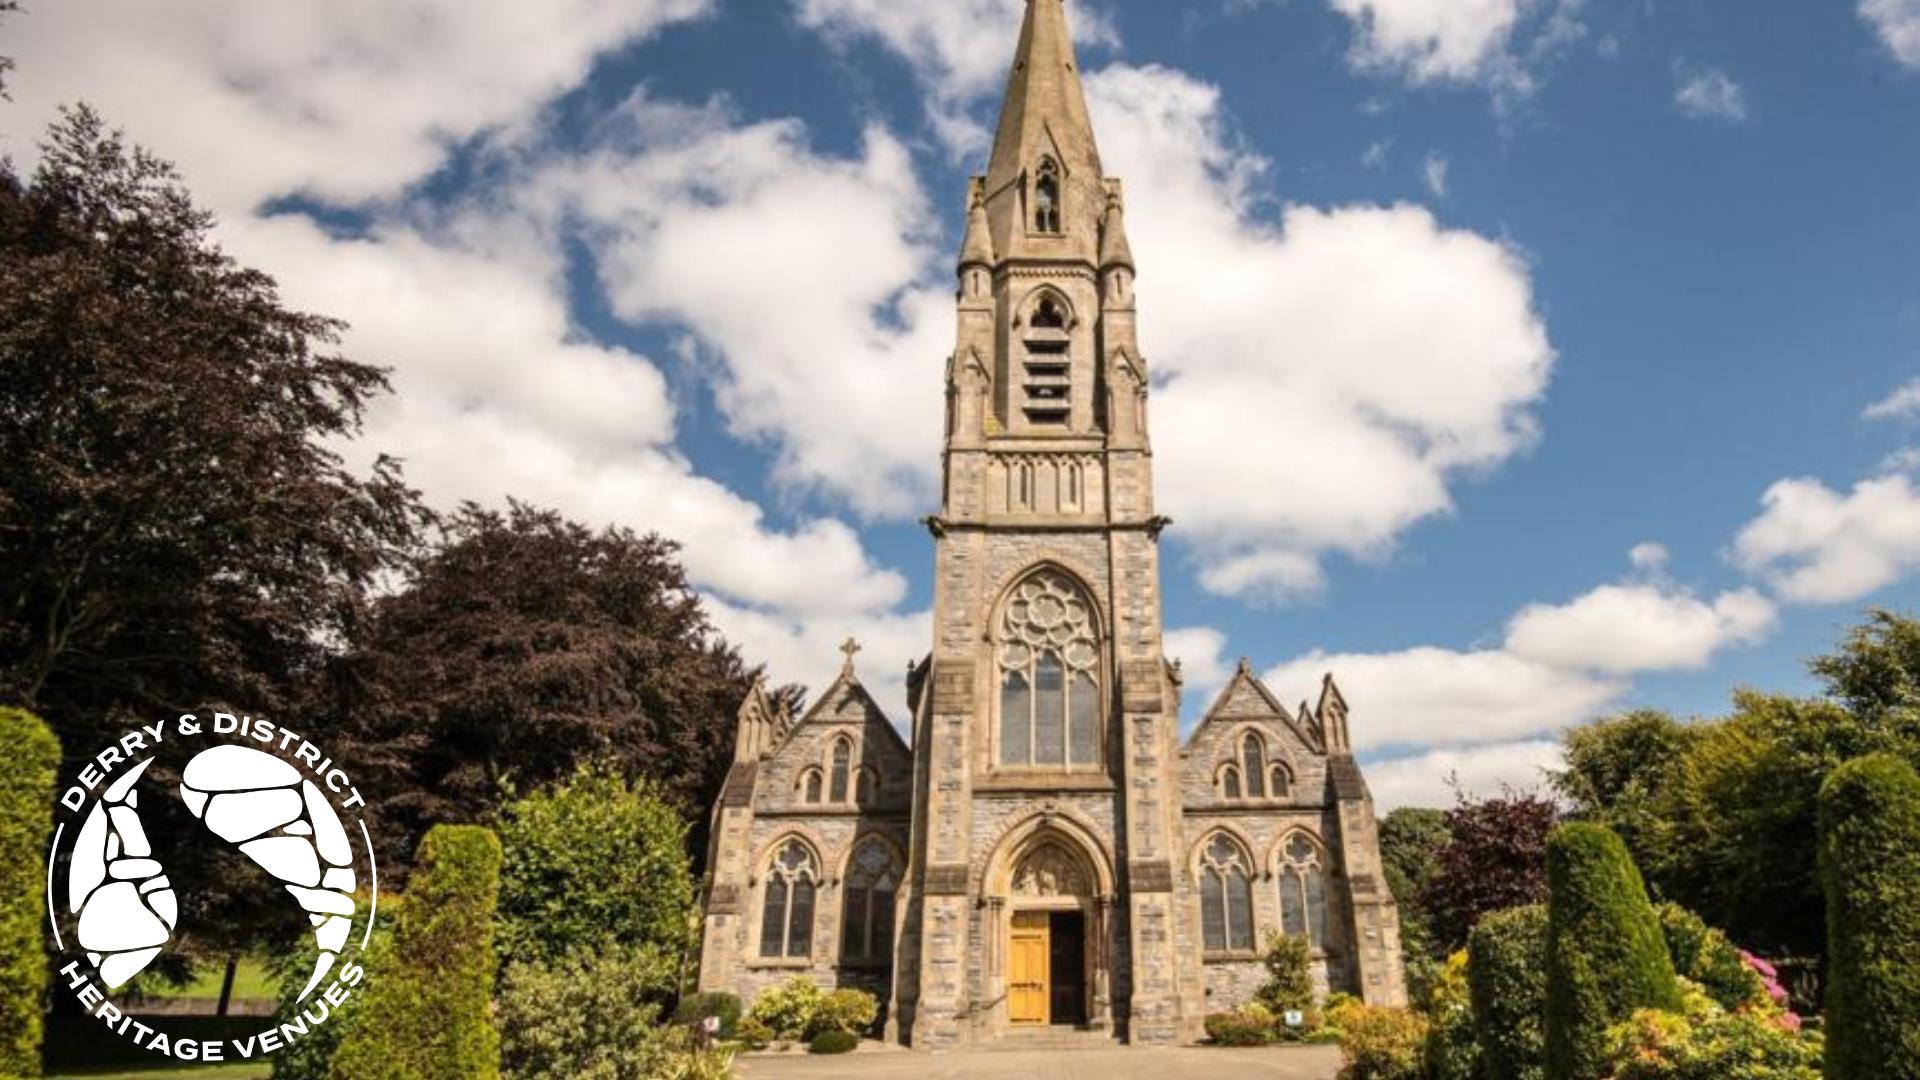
(848, 649)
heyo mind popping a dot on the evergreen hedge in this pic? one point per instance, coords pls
(1870, 865)
(428, 1016)
(1507, 977)
(1606, 953)
(26, 813)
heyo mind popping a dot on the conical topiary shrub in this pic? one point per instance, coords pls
(1606, 955)
(26, 817)
(1870, 864)
(428, 1015)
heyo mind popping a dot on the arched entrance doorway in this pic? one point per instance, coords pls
(1051, 910)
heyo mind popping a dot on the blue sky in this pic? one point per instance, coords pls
(1565, 340)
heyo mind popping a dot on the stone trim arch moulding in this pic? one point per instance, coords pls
(1070, 830)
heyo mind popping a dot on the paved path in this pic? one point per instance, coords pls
(1289, 1063)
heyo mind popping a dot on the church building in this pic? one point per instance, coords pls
(1046, 853)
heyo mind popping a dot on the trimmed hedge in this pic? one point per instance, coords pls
(1870, 865)
(429, 1015)
(834, 1042)
(1606, 953)
(26, 815)
(1506, 972)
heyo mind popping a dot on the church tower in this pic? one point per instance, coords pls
(1046, 859)
(1047, 803)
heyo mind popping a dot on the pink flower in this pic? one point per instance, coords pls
(1789, 1021)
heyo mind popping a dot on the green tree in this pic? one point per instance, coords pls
(591, 863)
(1870, 860)
(26, 810)
(1506, 973)
(428, 1014)
(1623, 772)
(1606, 955)
(1289, 985)
(1411, 840)
(525, 644)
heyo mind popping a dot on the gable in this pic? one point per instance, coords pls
(844, 714)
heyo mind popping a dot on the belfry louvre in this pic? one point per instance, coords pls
(1046, 852)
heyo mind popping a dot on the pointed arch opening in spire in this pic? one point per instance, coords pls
(1046, 197)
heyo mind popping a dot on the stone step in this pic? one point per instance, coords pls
(1054, 1038)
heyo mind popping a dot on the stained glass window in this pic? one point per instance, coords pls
(1226, 897)
(1303, 891)
(1050, 708)
(867, 926)
(786, 916)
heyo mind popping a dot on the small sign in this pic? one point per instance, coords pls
(1295, 1018)
(710, 1025)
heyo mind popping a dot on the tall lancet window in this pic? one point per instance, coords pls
(786, 914)
(1046, 198)
(1226, 897)
(1049, 664)
(866, 930)
(1303, 890)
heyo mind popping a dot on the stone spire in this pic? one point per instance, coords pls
(1044, 122)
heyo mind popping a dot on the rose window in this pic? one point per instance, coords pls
(1049, 659)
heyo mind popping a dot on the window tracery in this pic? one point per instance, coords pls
(1049, 657)
(1226, 896)
(867, 904)
(786, 912)
(1303, 891)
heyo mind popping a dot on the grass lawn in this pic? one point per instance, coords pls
(205, 1072)
(251, 982)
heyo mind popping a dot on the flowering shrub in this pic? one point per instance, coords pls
(1382, 1044)
(1707, 1042)
(1453, 1050)
(1704, 955)
(788, 1011)
(1250, 1026)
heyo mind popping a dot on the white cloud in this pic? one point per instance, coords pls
(346, 100)
(1376, 156)
(1819, 546)
(1483, 771)
(806, 650)
(1709, 94)
(1649, 558)
(730, 230)
(1435, 173)
(1628, 628)
(1201, 653)
(1902, 404)
(1351, 363)
(467, 301)
(961, 50)
(1898, 24)
(1431, 40)
(1439, 697)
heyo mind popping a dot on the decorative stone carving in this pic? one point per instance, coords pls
(1049, 871)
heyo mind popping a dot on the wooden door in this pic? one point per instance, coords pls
(1027, 974)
